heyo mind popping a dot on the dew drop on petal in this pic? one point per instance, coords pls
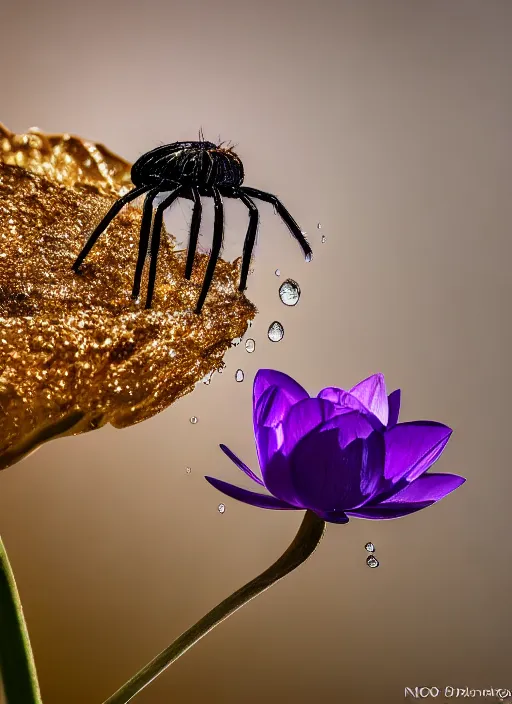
(222, 508)
(323, 239)
(194, 420)
(239, 375)
(278, 272)
(250, 345)
(289, 292)
(275, 332)
(370, 547)
(372, 561)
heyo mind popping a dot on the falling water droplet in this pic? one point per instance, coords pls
(370, 547)
(319, 226)
(372, 561)
(278, 272)
(194, 420)
(250, 345)
(323, 239)
(222, 508)
(289, 292)
(275, 332)
(189, 469)
(239, 375)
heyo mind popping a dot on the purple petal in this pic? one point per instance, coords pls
(372, 394)
(350, 426)
(390, 511)
(327, 477)
(278, 479)
(241, 464)
(346, 403)
(268, 442)
(271, 408)
(429, 487)
(270, 377)
(248, 497)
(394, 408)
(333, 516)
(303, 417)
(411, 448)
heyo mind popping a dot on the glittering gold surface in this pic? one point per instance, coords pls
(75, 351)
(65, 159)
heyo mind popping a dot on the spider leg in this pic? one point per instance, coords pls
(250, 239)
(218, 232)
(116, 207)
(285, 215)
(145, 228)
(194, 232)
(155, 241)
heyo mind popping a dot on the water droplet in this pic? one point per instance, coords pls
(323, 239)
(239, 375)
(372, 561)
(172, 353)
(189, 469)
(222, 508)
(289, 292)
(278, 272)
(220, 370)
(250, 345)
(194, 420)
(275, 332)
(319, 226)
(370, 547)
(236, 341)
(309, 256)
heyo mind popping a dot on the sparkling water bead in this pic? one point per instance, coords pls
(278, 272)
(372, 561)
(275, 331)
(222, 508)
(250, 345)
(289, 292)
(239, 375)
(370, 547)
(194, 420)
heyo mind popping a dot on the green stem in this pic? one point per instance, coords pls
(16, 660)
(304, 544)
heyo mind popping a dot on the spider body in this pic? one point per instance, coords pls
(190, 170)
(200, 164)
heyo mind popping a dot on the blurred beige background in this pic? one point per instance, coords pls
(387, 121)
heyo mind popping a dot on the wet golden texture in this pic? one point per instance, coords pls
(75, 351)
(65, 159)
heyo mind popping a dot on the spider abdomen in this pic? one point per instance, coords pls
(201, 164)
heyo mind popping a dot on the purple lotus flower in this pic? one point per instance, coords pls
(342, 453)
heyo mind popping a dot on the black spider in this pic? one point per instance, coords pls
(190, 170)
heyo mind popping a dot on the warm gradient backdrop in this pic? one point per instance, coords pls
(388, 121)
